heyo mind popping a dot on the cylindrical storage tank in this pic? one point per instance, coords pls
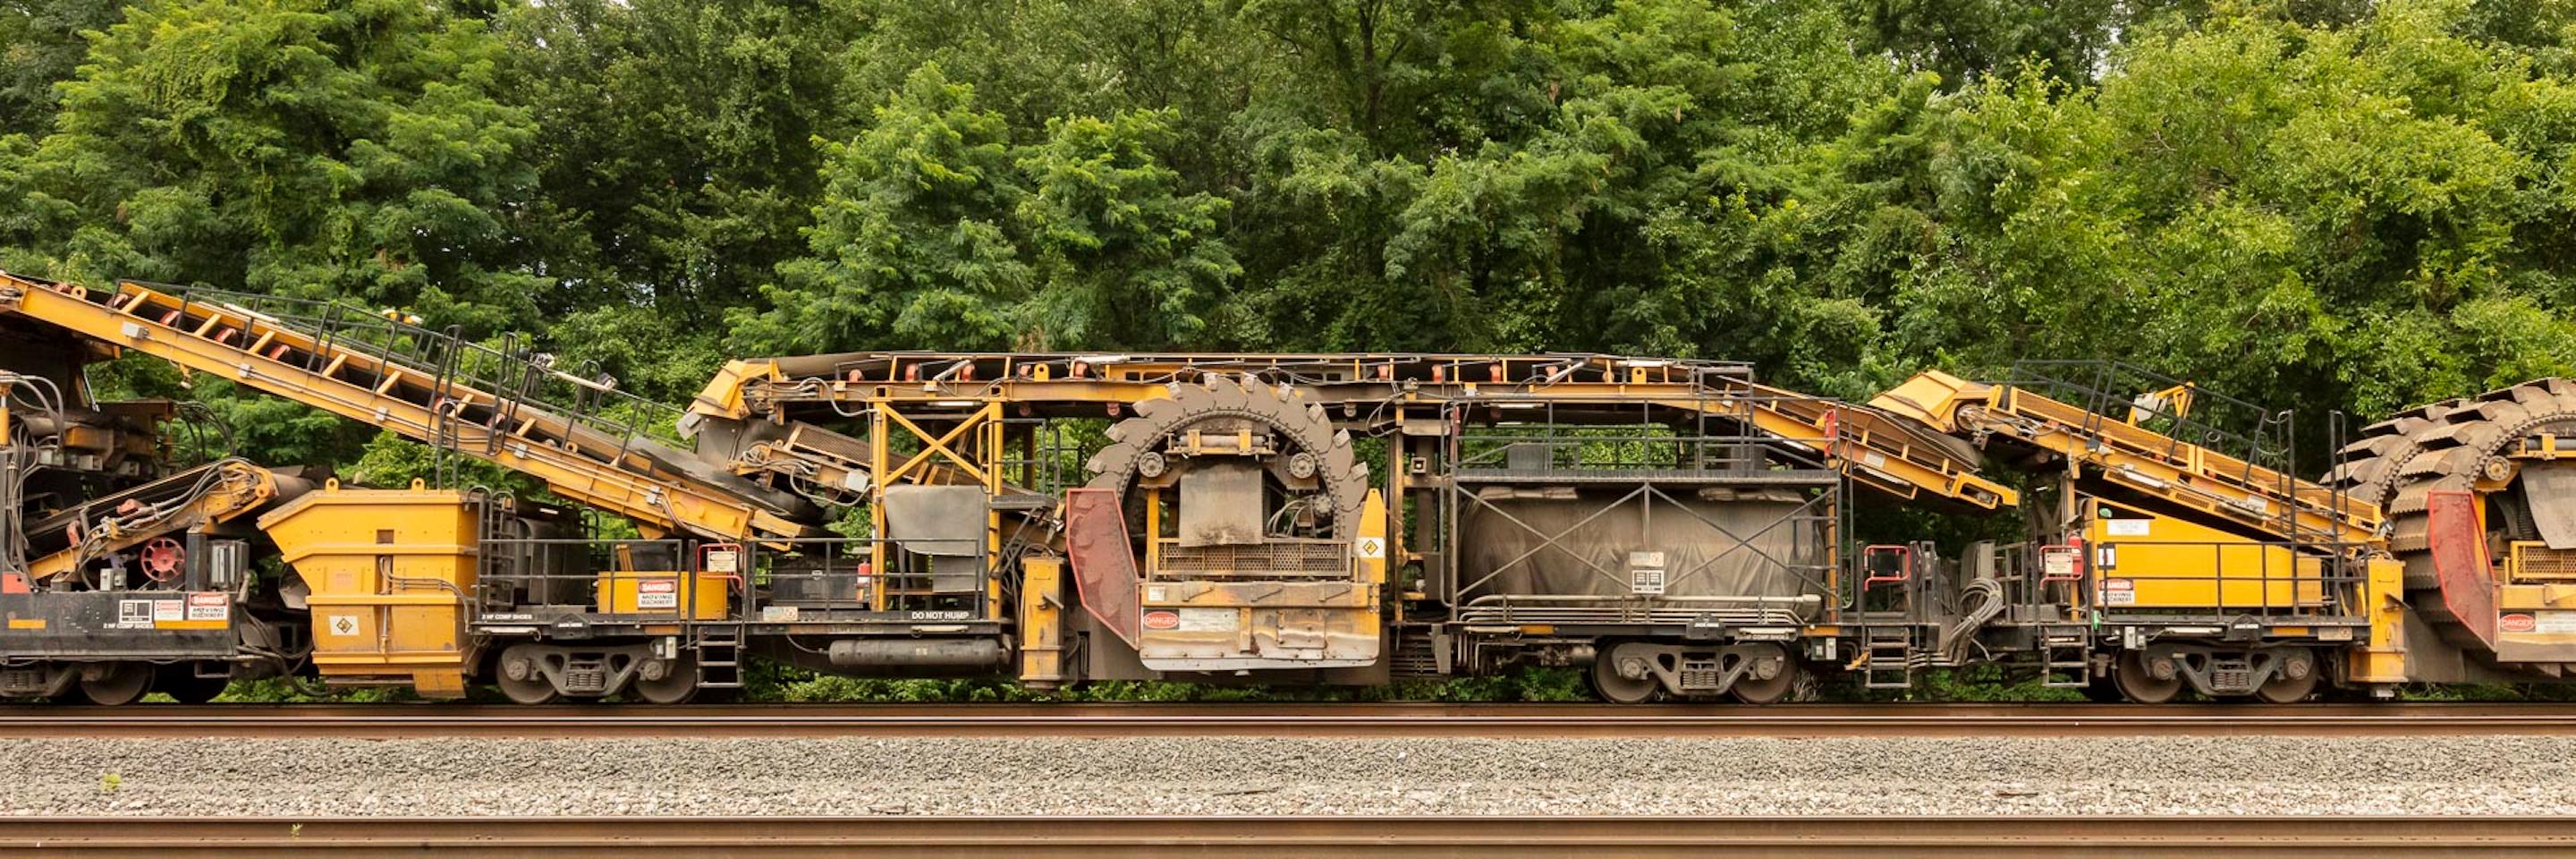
(912, 656)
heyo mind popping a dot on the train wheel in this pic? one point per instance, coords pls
(521, 681)
(677, 685)
(1610, 674)
(1751, 689)
(2139, 685)
(2296, 680)
(121, 683)
(532, 690)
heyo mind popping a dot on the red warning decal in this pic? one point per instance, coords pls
(1162, 619)
(2516, 623)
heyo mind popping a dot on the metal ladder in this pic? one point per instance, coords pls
(1887, 647)
(2065, 637)
(1887, 657)
(719, 655)
(2065, 655)
(1414, 655)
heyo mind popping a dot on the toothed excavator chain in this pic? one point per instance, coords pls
(1342, 477)
(2450, 445)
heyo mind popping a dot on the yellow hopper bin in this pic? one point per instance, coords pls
(389, 571)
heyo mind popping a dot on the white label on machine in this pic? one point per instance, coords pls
(1372, 547)
(1208, 620)
(2118, 592)
(657, 593)
(2127, 527)
(2057, 565)
(343, 625)
(1646, 581)
(723, 561)
(777, 614)
(209, 606)
(133, 613)
(1646, 573)
(2105, 558)
(169, 610)
(2553, 621)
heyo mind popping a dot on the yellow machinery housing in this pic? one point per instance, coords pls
(390, 572)
(2144, 561)
(663, 593)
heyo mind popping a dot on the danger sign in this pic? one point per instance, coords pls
(657, 593)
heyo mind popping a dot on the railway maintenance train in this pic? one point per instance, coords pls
(1673, 528)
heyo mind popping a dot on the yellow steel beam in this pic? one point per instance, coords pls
(1881, 456)
(1874, 448)
(2143, 460)
(589, 477)
(940, 444)
(2547, 447)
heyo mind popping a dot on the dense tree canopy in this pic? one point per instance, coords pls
(2326, 205)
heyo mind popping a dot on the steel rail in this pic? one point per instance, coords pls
(1360, 837)
(386, 721)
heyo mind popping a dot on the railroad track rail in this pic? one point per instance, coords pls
(1359, 837)
(1343, 720)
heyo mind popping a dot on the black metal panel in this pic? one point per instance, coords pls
(85, 625)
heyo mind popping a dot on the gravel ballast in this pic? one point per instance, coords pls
(1230, 775)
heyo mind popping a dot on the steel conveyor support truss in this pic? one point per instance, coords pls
(1877, 450)
(353, 377)
(2189, 476)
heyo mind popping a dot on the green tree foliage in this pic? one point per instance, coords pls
(678, 165)
(325, 151)
(343, 151)
(2357, 217)
(41, 44)
(937, 230)
(2312, 203)
(1964, 40)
